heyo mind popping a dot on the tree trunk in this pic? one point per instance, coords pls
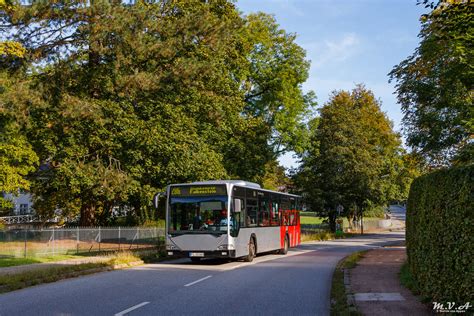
(87, 215)
(332, 216)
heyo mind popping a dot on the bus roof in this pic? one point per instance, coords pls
(240, 183)
(214, 182)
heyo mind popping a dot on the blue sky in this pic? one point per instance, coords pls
(348, 42)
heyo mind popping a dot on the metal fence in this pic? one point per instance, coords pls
(78, 240)
(370, 225)
(314, 228)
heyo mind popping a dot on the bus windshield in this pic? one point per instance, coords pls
(198, 214)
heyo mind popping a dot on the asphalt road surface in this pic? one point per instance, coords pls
(296, 284)
(398, 212)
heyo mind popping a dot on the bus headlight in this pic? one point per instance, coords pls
(171, 247)
(226, 247)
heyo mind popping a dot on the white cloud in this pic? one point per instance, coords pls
(333, 51)
(289, 6)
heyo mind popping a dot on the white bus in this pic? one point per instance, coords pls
(229, 219)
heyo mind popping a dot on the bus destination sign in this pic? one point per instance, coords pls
(189, 190)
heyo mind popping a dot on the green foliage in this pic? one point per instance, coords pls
(17, 157)
(9, 48)
(134, 97)
(275, 177)
(273, 89)
(408, 280)
(435, 84)
(354, 158)
(440, 236)
(375, 211)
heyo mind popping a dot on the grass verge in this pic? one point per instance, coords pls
(408, 281)
(351, 261)
(16, 281)
(11, 282)
(339, 303)
(311, 220)
(11, 262)
(324, 235)
(317, 236)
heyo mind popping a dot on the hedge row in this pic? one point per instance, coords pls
(439, 235)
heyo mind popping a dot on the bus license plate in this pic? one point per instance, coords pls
(196, 254)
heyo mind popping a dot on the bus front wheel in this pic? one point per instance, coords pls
(251, 255)
(284, 250)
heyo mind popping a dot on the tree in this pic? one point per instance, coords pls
(354, 156)
(273, 88)
(17, 158)
(435, 84)
(138, 96)
(275, 178)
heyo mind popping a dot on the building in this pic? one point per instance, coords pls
(22, 203)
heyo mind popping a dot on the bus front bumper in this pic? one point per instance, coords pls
(201, 254)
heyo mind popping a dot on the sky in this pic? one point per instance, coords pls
(348, 42)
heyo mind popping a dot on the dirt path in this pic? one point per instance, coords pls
(376, 287)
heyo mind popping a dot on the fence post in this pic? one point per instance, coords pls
(119, 237)
(53, 241)
(26, 237)
(100, 237)
(138, 236)
(77, 240)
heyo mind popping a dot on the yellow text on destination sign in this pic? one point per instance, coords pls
(202, 190)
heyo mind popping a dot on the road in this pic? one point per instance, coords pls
(398, 216)
(398, 212)
(296, 284)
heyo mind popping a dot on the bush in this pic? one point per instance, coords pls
(440, 234)
(375, 211)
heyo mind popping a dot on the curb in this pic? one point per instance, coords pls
(347, 285)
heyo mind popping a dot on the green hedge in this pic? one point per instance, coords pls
(439, 235)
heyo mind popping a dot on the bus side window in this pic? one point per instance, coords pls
(292, 218)
(275, 221)
(293, 204)
(251, 216)
(263, 212)
(236, 217)
(285, 206)
(284, 215)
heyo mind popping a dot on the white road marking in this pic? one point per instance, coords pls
(128, 310)
(185, 265)
(267, 258)
(200, 280)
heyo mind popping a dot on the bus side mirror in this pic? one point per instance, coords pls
(237, 205)
(156, 198)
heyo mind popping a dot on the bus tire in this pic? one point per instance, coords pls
(195, 259)
(252, 248)
(286, 245)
